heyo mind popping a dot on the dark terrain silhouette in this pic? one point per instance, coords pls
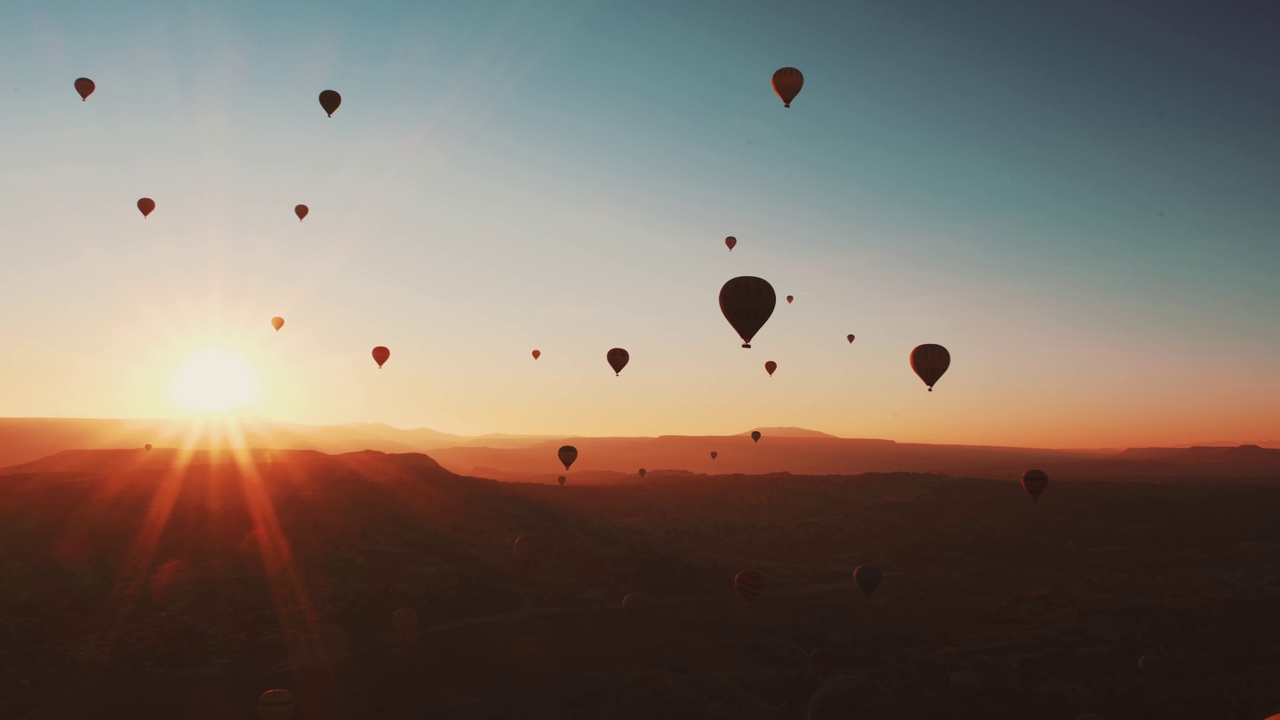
(174, 585)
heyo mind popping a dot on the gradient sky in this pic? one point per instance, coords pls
(1078, 199)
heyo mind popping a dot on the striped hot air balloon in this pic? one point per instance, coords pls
(1035, 482)
(747, 302)
(749, 583)
(787, 82)
(930, 362)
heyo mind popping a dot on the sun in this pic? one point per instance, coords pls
(214, 380)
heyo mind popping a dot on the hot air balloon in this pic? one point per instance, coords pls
(561, 479)
(537, 354)
(85, 87)
(147, 206)
(380, 355)
(867, 578)
(755, 436)
(301, 211)
(527, 546)
(643, 472)
(787, 82)
(277, 323)
(930, 362)
(770, 366)
(405, 621)
(276, 705)
(330, 100)
(147, 447)
(749, 583)
(790, 298)
(730, 242)
(849, 337)
(637, 605)
(618, 359)
(714, 454)
(567, 455)
(1035, 482)
(747, 302)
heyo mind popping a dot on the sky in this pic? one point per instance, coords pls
(1076, 199)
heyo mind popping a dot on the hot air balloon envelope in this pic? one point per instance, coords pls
(730, 242)
(85, 87)
(567, 455)
(790, 298)
(561, 479)
(714, 454)
(147, 447)
(618, 359)
(787, 82)
(930, 362)
(527, 546)
(755, 436)
(747, 302)
(277, 323)
(330, 100)
(770, 366)
(276, 705)
(849, 337)
(146, 206)
(301, 211)
(867, 578)
(749, 583)
(1035, 482)
(380, 355)
(537, 354)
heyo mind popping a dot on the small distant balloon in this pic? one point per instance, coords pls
(561, 479)
(147, 447)
(730, 242)
(527, 547)
(755, 436)
(643, 472)
(867, 578)
(930, 362)
(618, 359)
(146, 206)
(277, 323)
(790, 298)
(380, 355)
(749, 584)
(637, 605)
(714, 454)
(1035, 482)
(330, 100)
(567, 455)
(770, 366)
(85, 87)
(276, 705)
(301, 211)
(537, 354)
(787, 82)
(849, 337)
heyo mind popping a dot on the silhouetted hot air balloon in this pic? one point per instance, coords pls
(85, 87)
(147, 447)
(755, 436)
(405, 621)
(867, 577)
(330, 100)
(930, 362)
(561, 479)
(1035, 482)
(537, 354)
(730, 242)
(747, 302)
(770, 366)
(749, 583)
(790, 298)
(146, 206)
(643, 472)
(849, 337)
(637, 605)
(567, 455)
(276, 705)
(527, 546)
(277, 323)
(380, 355)
(787, 82)
(301, 211)
(618, 359)
(714, 454)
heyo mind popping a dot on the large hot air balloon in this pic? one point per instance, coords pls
(730, 242)
(146, 206)
(849, 337)
(755, 436)
(637, 605)
(749, 583)
(618, 359)
(277, 323)
(770, 366)
(561, 479)
(537, 354)
(867, 577)
(527, 546)
(85, 87)
(276, 705)
(330, 100)
(930, 361)
(643, 472)
(301, 211)
(790, 298)
(1035, 482)
(147, 447)
(747, 302)
(380, 355)
(714, 454)
(405, 621)
(787, 82)
(567, 455)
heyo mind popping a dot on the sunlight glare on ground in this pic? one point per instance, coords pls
(215, 380)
